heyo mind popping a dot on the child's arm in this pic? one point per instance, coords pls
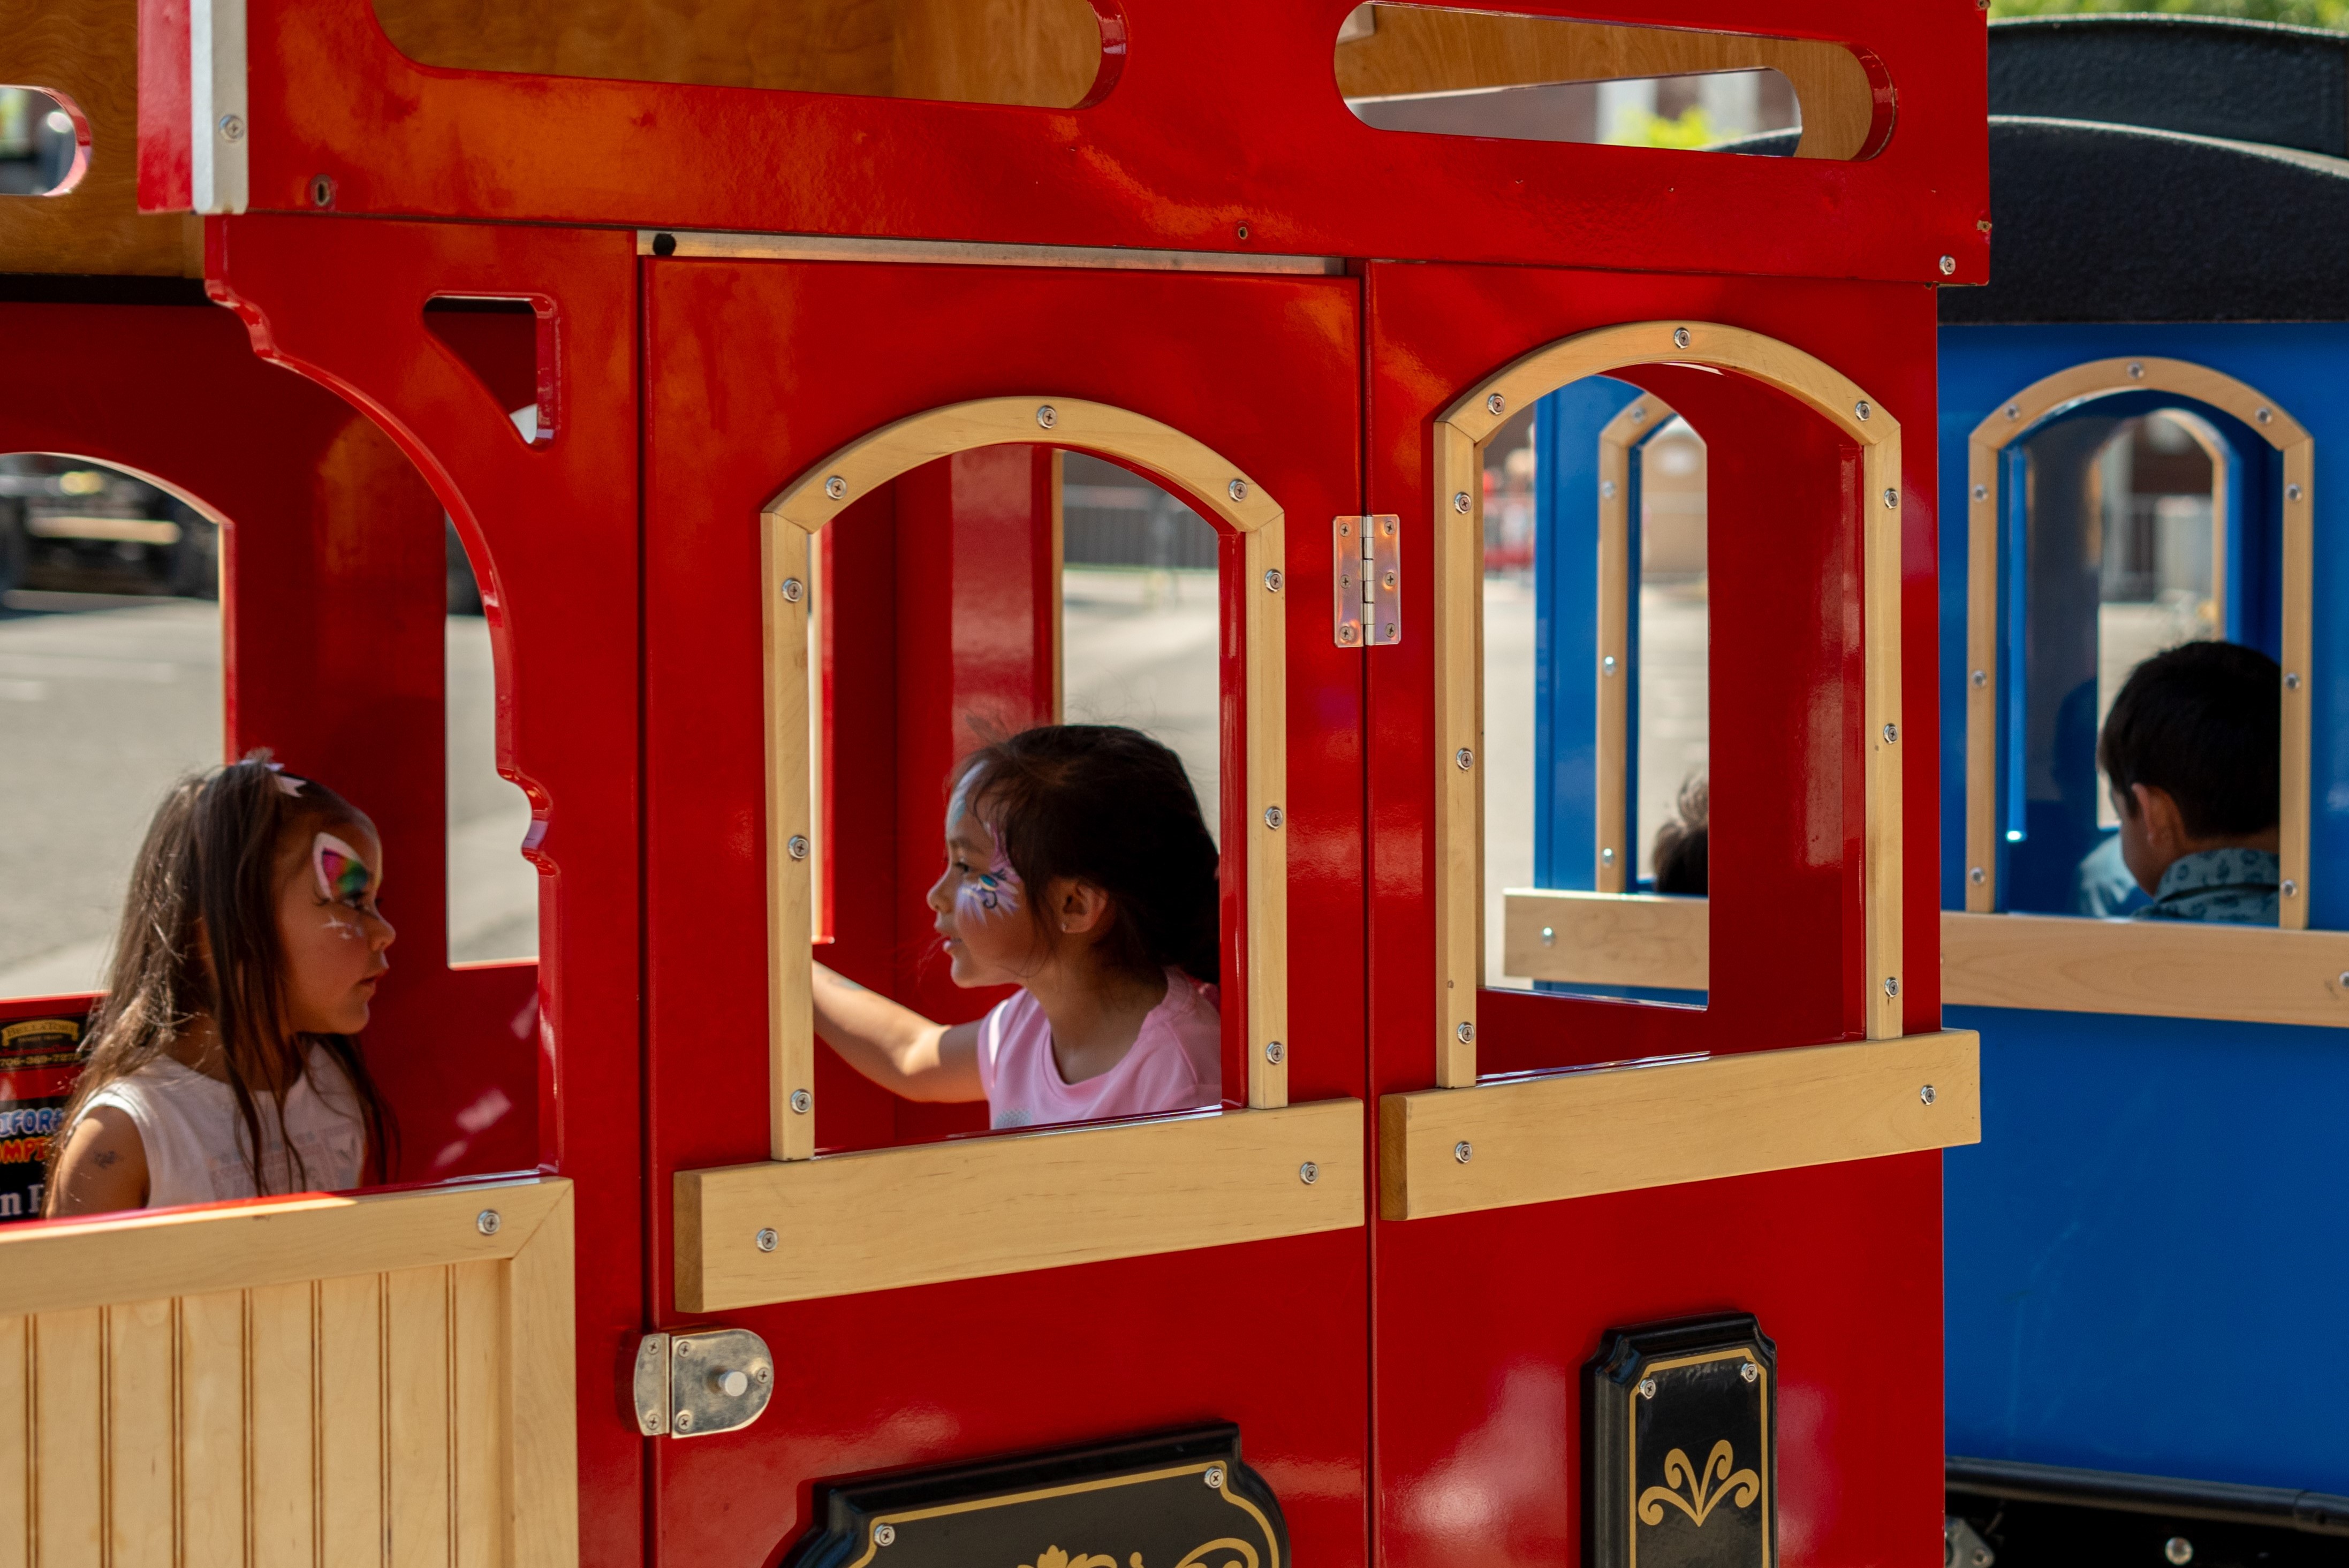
(103, 1168)
(893, 1045)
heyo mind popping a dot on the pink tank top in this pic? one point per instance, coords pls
(1176, 1062)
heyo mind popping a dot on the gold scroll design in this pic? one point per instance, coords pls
(1705, 1488)
(1053, 1557)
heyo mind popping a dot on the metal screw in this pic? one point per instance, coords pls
(1982, 492)
(1891, 498)
(487, 1222)
(1388, 581)
(2178, 1550)
(231, 128)
(2013, 412)
(683, 1421)
(1892, 734)
(1272, 580)
(1236, 490)
(1241, 230)
(1647, 1387)
(2291, 680)
(1926, 1094)
(1345, 634)
(798, 846)
(2292, 492)
(1467, 1033)
(322, 191)
(1345, 530)
(1980, 677)
(2263, 416)
(1750, 1372)
(1638, 413)
(1606, 856)
(1466, 758)
(884, 1535)
(1274, 1052)
(2290, 889)
(1862, 410)
(734, 1384)
(1272, 817)
(1949, 265)
(1460, 501)
(1975, 875)
(1462, 1150)
(1308, 1172)
(1215, 1477)
(2137, 371)
(835, 487)
(1606, 488)
(762, 1375)
(1497, 402)
(1680, 338)
(663, 244)
(802, 1101)
(1047, 415)
(793, 590)
(2345, 979)
(1607, 666)
(1892, 984)
(685, 1348)
(1387, 527)
(1389, 631)
(1550, 939)
(767, 1239)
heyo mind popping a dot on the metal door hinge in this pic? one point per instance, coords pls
(694, 1385)
(1366, 560)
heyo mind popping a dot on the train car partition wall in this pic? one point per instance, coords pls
(747, 366)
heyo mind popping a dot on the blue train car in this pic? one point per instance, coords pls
(2137, 420)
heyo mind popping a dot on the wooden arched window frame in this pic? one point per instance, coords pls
(2286, 974)
(1460, 435)
(882, 1218)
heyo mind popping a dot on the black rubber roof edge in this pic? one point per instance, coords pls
(2117, 223)
(2313, 1512)
(2205, 75)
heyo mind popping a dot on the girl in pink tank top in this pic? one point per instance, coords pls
(1079, 869)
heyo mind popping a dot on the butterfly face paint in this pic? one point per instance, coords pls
(982, 896)
(343, 877)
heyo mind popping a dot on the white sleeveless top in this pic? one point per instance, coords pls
(195, 1140)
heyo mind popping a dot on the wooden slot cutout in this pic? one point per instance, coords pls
(1458, 506)
(1389, 53)
(818, 1201)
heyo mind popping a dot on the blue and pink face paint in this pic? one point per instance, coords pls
(994, 892)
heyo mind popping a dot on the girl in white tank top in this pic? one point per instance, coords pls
(222, 1060)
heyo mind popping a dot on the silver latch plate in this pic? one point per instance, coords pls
(1366, 575)
(698, 1385)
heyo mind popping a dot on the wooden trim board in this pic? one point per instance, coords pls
(811, 500)
(1607, 938)
(1614, 1129)
(1613, 854)
(2145, 968)
(972, 1208)
(2059, 393)
(1459, 438)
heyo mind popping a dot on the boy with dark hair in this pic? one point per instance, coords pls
(2191, 751)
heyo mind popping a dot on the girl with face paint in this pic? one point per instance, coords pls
(1079, 869)
(223, 1060)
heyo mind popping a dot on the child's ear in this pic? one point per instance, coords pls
(1083, 908)
(2165, 824)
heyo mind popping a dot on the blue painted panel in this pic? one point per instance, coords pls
(1566, 610)
(2145, 1236)
(2144, 1264)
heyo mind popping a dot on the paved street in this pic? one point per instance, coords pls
(105, 700)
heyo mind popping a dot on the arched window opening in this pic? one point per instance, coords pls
(492, 889)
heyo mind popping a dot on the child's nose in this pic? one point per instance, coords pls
(386, 934)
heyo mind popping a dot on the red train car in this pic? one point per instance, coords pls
(804, 305)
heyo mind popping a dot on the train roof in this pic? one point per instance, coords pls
(2162, 169)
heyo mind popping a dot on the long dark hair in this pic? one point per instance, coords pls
(1110, 806)
(207, 876)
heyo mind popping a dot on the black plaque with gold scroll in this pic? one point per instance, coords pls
(1176, 1499)
(1680, 1440)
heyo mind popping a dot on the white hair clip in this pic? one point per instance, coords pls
(287, 783)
